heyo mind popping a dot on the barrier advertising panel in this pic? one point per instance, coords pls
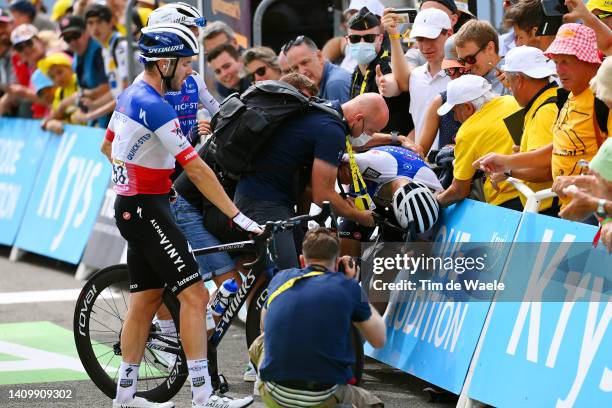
(22, 146)
(432, 332)
(67, 195)
(553, 348)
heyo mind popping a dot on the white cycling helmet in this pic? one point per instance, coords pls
(167, 41)
(178, 13)
(415, 202)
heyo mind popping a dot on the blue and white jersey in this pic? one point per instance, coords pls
(186, 102)
(380, 165)
(146, 140)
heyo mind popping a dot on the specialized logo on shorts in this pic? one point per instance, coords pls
(129, 371)
(371, 173)
(198, 381)
(126, 383)
(168, 246)
(133, 286)
(127, 216)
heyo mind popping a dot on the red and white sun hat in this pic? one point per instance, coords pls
(577, 40)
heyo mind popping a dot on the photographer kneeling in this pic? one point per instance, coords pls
(306, 355)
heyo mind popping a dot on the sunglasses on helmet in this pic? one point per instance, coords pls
(292, 43)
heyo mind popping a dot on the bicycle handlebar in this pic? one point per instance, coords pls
(273, 226)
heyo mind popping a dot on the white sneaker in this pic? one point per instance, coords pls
(250, 375)
(139, 402)
(216, 401)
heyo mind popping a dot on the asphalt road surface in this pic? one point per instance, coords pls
(37, 349)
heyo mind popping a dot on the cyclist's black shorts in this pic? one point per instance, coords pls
(220, 226)
(158, 253)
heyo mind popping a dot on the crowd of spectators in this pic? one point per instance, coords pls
(517, 104)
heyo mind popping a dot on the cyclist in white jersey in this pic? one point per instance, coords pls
(146, 140)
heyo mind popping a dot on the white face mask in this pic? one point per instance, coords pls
(363, 139)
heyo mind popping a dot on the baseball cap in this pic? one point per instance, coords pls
(577, 40)
(5, 16)
(60, 8)
(602, 161)
(450, 54)
(375, 6)
(429, 23)
(23, 32)
(23, 6)
(56, 58)
(603, 5)
(363, 20)
(70, 24)
(464, 89)
(449, 4)
(530, 61)
(40, 81)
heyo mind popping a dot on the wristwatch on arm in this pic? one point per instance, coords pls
(601, 208)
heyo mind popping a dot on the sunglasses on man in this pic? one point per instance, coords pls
(471, 59)
(68, 38)
(292, 43)
(356, 38)
(20, 47)
(261, 71)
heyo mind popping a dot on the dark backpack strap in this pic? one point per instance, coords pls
(562, 96)
(552, 99)
(601, 115)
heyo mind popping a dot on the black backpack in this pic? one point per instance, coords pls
(245, 123)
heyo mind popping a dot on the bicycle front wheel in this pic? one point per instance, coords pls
(98, 320)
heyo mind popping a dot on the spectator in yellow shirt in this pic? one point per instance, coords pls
(482, 131)
(529, 73)
(58, 67)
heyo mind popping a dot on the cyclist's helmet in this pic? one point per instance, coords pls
(414, 202)
(178, 13)
(167, 41)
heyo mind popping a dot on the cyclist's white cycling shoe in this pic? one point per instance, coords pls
(216, 401)
(250, 375)
(139, 402)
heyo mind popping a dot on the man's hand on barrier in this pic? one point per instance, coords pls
(583, 182)
(491, 163)
(580, 207)
(54, 125)
(349, 266)
(497, 178)
(79, 117)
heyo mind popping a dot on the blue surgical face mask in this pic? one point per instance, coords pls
(362, 52)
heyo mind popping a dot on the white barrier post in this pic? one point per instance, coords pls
(534, 200)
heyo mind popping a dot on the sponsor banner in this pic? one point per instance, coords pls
(22, 146)
(432, 332)
(546, 353)
(67, 195)
(106, 245)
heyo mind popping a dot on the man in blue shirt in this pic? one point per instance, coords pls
(307, 353)
(88, 64)
(313, 141)
(304, 57)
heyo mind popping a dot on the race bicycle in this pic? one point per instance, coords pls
(102, 306)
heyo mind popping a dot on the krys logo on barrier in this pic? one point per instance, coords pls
(67, 195)
(553, 348)
(22, 145)
(432, 333)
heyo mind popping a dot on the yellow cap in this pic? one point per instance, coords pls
(143, 15)
(60, 8)
(56, 58)
(603, 5)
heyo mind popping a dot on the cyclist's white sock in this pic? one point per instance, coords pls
(126, 383)
(201, 388)
(167, 326)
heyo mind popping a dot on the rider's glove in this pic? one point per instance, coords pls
(245, 223)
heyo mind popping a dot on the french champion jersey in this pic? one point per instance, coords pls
(383, 164)
(146, 139)
(186, 101)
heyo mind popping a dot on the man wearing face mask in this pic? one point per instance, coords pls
(314, 139)
(365, 45)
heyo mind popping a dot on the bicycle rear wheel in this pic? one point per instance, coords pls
(98, 320)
